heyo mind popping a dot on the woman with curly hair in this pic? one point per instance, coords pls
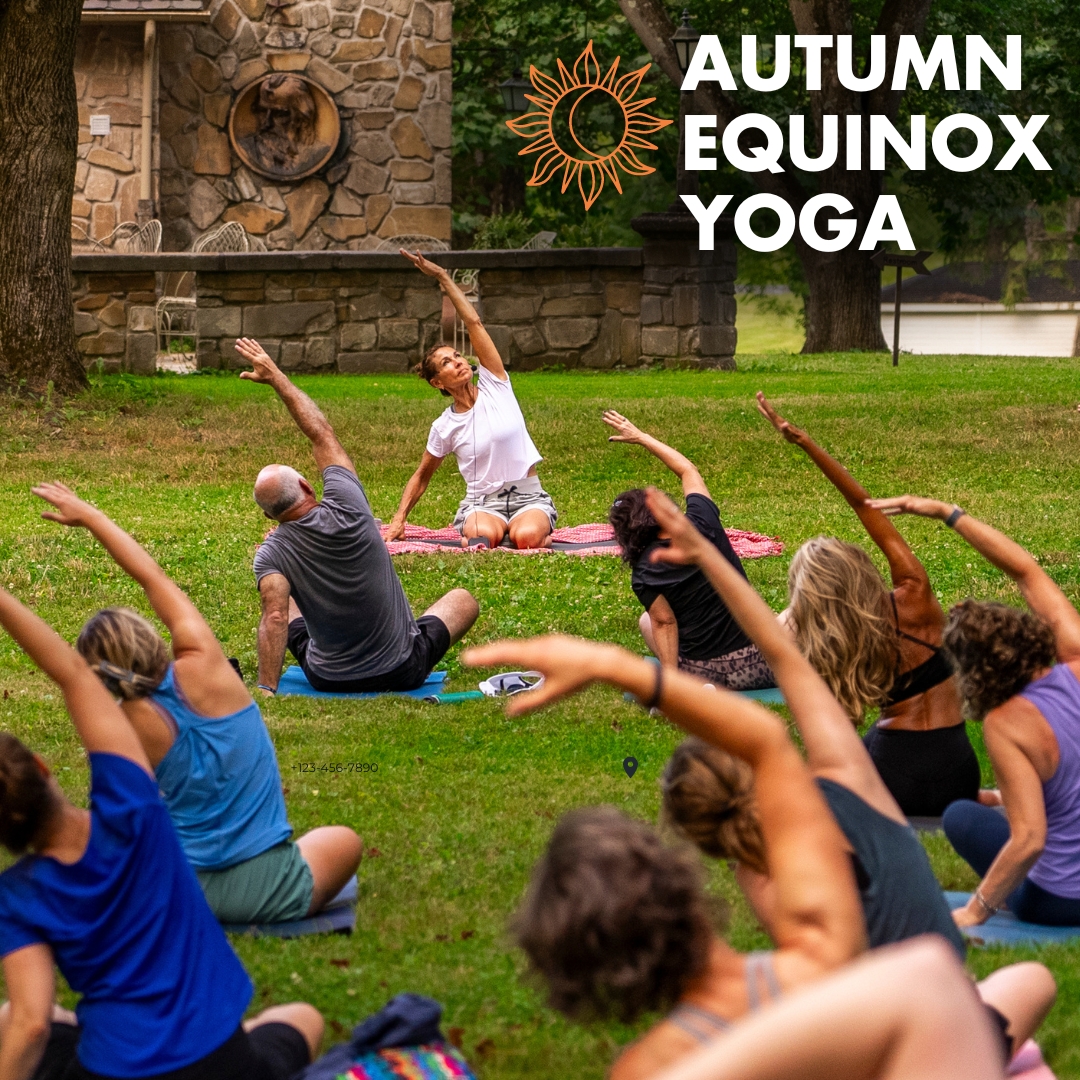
(616, 922)
(484, 429)
(708, 795)
(1019, 674)
(685, 623)
(876, 647)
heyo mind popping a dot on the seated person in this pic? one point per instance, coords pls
(902, 1013)
(485, 431)
(328, 586)
(616, 922)
(207, 743)
(685, 623)
(1020, 675)
(876, 647)
(709, 797)
(107, 896)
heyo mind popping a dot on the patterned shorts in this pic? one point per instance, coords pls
(743, 669)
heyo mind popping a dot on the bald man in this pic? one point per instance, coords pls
(329, 591)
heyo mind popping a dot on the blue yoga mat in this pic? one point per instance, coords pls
(294, 683)
(1004, 928)
(338, 917)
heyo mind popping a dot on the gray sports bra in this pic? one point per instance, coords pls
(704, 1026)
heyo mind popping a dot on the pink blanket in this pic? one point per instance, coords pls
(592, 539)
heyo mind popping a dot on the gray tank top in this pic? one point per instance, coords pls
(762, 987)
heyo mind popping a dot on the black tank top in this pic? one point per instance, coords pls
(933, 671)
(900, 895)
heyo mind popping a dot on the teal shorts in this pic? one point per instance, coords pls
(275, 886)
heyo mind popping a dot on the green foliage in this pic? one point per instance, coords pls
(491, 38)
(503, 231)
(465, 797)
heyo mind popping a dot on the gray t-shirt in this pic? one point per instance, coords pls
(343, 581)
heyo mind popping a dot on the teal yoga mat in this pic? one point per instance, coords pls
(1004, 928)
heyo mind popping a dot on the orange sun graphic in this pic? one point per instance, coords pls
(565, 107)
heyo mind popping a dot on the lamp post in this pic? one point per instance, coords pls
(513, 92)
(684, 42)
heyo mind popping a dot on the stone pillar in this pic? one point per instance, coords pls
(687, 295)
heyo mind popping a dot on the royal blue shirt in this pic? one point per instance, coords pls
(220, 781)
(131, 932)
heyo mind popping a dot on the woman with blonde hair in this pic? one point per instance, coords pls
(206, 740)
(880, 648)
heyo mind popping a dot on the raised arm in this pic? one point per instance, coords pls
(903, 565)
(681, 466)
(309, 418)
(1036, 586)
(188, 629)
(818, 918)
(482, 344)
(99, 723)
(834, 750)
(414, 490)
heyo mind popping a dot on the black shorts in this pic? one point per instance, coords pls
(268, 1052)
(429, 647)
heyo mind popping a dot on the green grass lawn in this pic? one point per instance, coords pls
(464, 799)
(769, 324)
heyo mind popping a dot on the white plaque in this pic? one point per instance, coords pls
(99, 125)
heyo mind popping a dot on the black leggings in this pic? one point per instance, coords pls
(925, 770)
(267, 1052)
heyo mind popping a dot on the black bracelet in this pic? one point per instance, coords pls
(268, 689)
(658, 690)
(954, 517)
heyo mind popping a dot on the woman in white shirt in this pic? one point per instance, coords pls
(485, 431)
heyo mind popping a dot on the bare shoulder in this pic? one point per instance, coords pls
(656, 1049)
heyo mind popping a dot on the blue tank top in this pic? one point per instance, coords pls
(1057, 696)
(220, 782)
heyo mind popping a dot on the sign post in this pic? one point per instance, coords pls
(881, 259)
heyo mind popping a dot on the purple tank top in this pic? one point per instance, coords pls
(1057, 697)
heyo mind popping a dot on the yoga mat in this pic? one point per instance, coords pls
(294, 684)
(1004, 928)
(1028, 1064)
(596, 538)
(338, 917)
(925, 824)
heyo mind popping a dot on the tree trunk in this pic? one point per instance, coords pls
(39, 128)
(843, 308)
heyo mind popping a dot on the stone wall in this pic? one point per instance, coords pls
(114, 318)
(364, 311)
(573, 316)
(386, 63)
(348, 320)
(108, 81)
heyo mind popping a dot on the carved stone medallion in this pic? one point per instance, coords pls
(284, 126)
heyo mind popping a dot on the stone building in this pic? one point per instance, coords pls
(180, 103)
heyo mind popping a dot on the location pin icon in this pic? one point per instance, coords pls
(629, 766)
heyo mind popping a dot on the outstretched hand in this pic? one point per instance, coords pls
(70, 509)
(911, 504)
(788, 430)
(568, 665)
(686, 547)
(624, 430)
(264, 369)
(425, 266)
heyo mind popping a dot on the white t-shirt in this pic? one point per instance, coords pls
(490, 441)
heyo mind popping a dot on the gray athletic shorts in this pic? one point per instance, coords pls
(509, 501)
